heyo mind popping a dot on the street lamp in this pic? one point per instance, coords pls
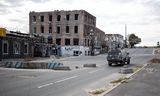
(92, 42)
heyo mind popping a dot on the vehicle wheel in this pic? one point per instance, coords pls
(109, 63)
(128, 62)
(122, 63)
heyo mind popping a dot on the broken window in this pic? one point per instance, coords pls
(75, 29)
(67, 41)
(75, 41)
(58, 29)
(76, 16)
(67, 29)
(42, 18)
(68, 17)
(59, 18)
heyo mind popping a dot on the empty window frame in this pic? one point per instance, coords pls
(67, 17)
(67, 41)
(58, 41)
(50, 29)
(34, 30)
(75, 29)
(42, 29)
(34, 18)
(75, 41)
(76, 16)
(50, 17)
(42, 18)
(5, 47)
(58, 17)
(58, 29)
(67, 29)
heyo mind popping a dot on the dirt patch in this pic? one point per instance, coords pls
(155, 60)
(157, 51)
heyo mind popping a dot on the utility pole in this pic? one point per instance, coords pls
(125, 36)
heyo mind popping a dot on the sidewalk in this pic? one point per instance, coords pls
(144, 83)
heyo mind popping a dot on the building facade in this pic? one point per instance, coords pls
(69, 31)
(114, 41)
(99, 39)
(15, 45)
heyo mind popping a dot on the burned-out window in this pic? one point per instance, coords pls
(58, 17)
(34, 29)
(34, 18)
(50, 29)
(67, 17)
(67, 29)
(75, 41)
(42, 29)
(76, 16)
(58, 29)
(42, 18)
(67, 41)
(5, 47)
(75, 29)
(58, 41)
(50, 17)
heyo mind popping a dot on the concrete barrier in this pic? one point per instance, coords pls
(62, 68)
(8, 64)
(126, 70)
(89, 65)
(54, 64)
(18, 65)
(32, 65)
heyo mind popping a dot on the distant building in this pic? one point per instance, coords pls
(99, 39)
(69, 31)
(15, 45)
(114, 41)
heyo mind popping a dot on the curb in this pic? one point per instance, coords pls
(130, 75)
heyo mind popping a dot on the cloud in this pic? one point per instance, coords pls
(6, 6)
(39, 1)
(111, 15)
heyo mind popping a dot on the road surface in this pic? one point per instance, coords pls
(76, 82)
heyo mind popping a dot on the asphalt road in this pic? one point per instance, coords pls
(64, 83)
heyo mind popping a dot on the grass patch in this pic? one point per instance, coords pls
(98, 91)
(120, 80)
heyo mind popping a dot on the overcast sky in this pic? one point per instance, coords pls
(141, 16)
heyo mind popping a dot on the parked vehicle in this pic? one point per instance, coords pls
(118, 56)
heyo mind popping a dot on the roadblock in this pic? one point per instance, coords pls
(32, 65)
(54, 64)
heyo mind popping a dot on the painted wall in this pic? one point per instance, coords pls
(74, 50)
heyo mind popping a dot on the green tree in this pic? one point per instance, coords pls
(133, 40)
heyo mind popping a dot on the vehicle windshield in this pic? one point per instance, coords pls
(114, 52)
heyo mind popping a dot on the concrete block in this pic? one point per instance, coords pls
(62, 68)
(126, 70)
(89, 65)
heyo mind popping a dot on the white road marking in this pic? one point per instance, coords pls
(94, 71)
(65, 79)
(153, 51)
(45, 85)
(48, 84)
